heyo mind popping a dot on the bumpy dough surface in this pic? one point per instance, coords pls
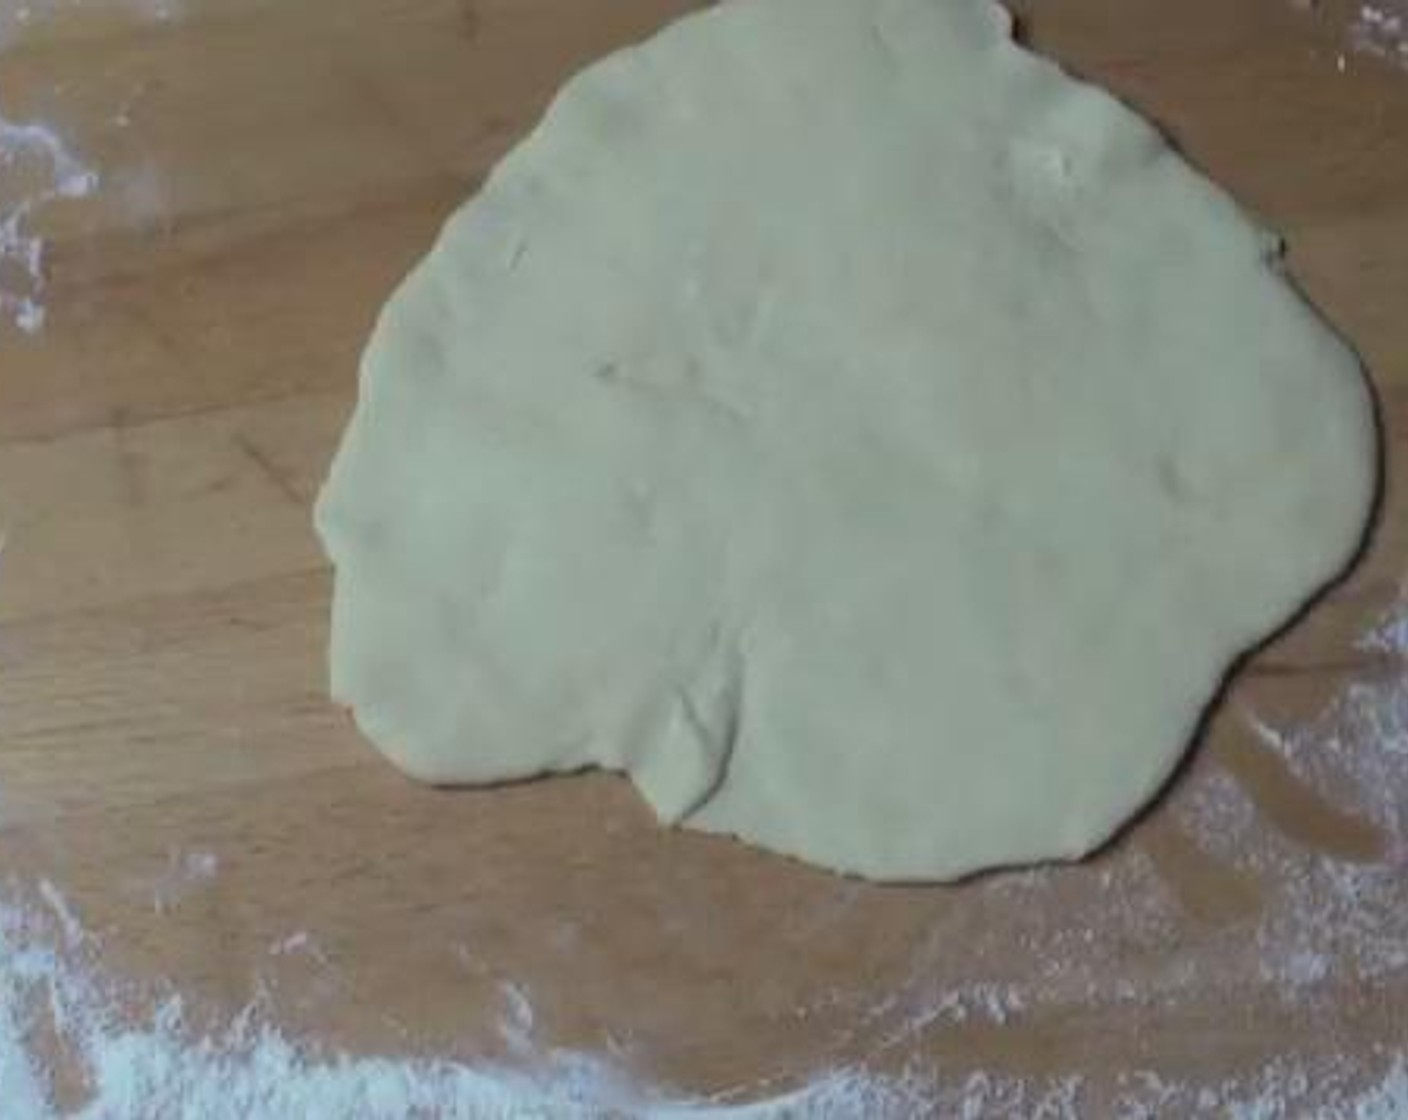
(872, 440)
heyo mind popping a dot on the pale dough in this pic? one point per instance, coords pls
(872, 440)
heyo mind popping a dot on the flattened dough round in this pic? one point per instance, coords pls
(872, 440)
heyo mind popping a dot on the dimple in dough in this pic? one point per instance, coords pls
(875, 442)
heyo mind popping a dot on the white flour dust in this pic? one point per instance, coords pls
(1339, 917)
(156, 1069)
(1381, 28)
(39, 167)
(153, 1069)
(1374, 27)
(33, 156)
(185, 872)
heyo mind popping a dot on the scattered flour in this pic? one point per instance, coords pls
(1381, 28)
(1335, 916)
(293, 943)
(1332, 1090)
(1374, 27)
(251, 1071)
(52, 988)
(155, 1069)
(33, 154)
(38, 168)
(184, 873)
(1390, 634)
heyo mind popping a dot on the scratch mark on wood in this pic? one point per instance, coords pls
(267, 468)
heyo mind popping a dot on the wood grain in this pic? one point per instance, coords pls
(268, 172)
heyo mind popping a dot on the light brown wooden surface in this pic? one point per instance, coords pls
(269, 170)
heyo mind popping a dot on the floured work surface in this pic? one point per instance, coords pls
(168, 767)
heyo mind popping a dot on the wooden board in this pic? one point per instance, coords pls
(167, 758)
